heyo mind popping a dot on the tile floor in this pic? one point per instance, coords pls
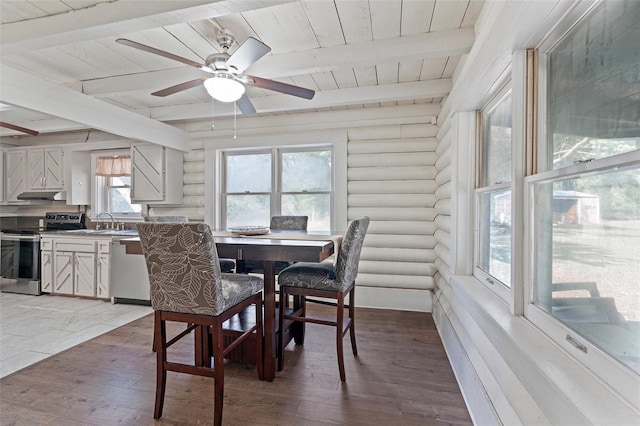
(33, 328)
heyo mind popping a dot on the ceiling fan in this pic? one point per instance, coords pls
(227, 81)
(19, 128)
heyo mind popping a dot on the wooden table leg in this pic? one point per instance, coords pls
(269, 320)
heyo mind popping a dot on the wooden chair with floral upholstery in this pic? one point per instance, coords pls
(188, 287)
(325, 280)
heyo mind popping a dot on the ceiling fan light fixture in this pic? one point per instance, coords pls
(224, 88)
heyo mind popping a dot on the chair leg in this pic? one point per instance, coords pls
(218, 371)
(259, 341)
(340, 335)
(160, 342)
(352, 316)
(298, 330)
(280, 343)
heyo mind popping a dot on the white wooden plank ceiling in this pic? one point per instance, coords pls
(353, 53)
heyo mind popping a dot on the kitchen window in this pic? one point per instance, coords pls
(584, 200)
(112, 171)
(258, 184)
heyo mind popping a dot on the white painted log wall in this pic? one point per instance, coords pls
(391, 178)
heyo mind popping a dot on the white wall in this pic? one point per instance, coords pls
(390, 177)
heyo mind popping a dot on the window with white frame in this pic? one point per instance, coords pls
(261, 183)
(585, 197)
(493, 194)
(112, 171)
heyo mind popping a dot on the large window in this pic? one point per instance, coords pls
(586, 195)
(493, 195)
(262, 183)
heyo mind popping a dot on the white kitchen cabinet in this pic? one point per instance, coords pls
(74, 266)
(45, 169)
(85, 274)
(103, 269)
(156, 174)
(16, 174)
(46, 267)
(63, 275)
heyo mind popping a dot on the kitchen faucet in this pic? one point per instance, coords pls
(98, 222)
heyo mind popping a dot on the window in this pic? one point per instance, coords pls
(263, 183)
(112, 171)
(585, 215)
(493, 194)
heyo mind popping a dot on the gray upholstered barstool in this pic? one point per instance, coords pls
(328, 281)
(188, 287)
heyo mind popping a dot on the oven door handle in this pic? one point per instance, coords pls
(15, 237)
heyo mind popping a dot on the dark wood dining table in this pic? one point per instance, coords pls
(268, 251)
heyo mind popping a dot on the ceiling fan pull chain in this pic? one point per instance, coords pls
(234, 121)
(213, 115)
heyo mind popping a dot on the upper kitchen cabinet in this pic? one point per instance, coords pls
(16, 174)
(156, 174)
(45, 168)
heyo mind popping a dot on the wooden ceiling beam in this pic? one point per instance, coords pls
(26, 91)
(324, 99)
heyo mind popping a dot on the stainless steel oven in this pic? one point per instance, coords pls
(20, 252)
(20, 262)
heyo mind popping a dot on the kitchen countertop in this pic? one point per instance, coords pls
(92, 233)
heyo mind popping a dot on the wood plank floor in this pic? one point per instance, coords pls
(401, 377)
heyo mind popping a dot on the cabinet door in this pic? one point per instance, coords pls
(46, 271)
(16, 167)
(147, 173)
(35, 170)
(53, 168)
(45, 170)
(63, 272)
(103, 268)
(85, 274)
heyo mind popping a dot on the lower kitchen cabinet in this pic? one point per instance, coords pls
(75, 266)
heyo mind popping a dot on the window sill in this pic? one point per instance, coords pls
(524, 372)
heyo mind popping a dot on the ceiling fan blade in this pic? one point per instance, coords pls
(245, 105)
(179, 87)
(19, 128)
(159, 52)
(277, 86)
(250, 51)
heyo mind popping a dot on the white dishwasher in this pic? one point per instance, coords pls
(129, 277)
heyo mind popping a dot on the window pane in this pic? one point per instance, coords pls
(592, 101)
(119, 200)
(588, 271)
(494, 254)
(497, 144)
(316, 206)
(248, 210)
(248, 173)
(306, 171)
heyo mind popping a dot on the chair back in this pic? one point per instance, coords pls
(148, 218)
(183, 267)
(289, 223)
(349, 255)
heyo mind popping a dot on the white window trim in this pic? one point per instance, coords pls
(494, 284)
(96, 203)
(337, 139)
(611, 372)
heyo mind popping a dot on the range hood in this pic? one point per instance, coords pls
(43, 195)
